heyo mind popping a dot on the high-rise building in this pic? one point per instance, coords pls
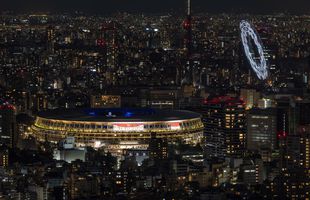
(250, 97)
(50, 35)
(297, 152)
(8, 127)
(187, 25)
(4, 156)
(252, 171)
(82, 185)
(292, 114)
(40, 101)
(265, 103)
(262, 131)
(225, 127)
(188, 70)
(291, 184)
(158, 147)
(302, 110)
(296, 166)
(108, 41)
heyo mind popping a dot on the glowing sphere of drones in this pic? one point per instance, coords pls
(259, 64)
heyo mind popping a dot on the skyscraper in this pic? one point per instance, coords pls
(250, 97)
(262, 130)
(188, 68)
(297, 153)
(8, 129)
(293, 182)
(158, 147)
(225, 128)
(4, 156)
(50, 34)
(107, 41)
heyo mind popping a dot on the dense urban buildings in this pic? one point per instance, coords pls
(165, 105)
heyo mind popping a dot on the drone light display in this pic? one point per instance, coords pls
(259, 65)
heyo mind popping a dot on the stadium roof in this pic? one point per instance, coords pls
(118, 114)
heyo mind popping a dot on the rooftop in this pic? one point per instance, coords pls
(118, 114)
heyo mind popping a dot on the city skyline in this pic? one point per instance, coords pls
(184, 100)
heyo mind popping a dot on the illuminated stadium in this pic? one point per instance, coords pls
(118, 128)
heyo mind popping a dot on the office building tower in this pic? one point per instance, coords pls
(225, 129)
(262, 131)
(158, 147)
(4, 156)
(250, 97)
(8, 127)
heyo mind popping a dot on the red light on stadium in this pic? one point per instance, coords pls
(127, 125)
(174, 124)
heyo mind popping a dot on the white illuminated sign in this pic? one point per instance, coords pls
(128, 127)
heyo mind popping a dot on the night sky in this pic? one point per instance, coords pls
(105, 6)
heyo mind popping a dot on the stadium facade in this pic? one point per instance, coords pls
(118, 128)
